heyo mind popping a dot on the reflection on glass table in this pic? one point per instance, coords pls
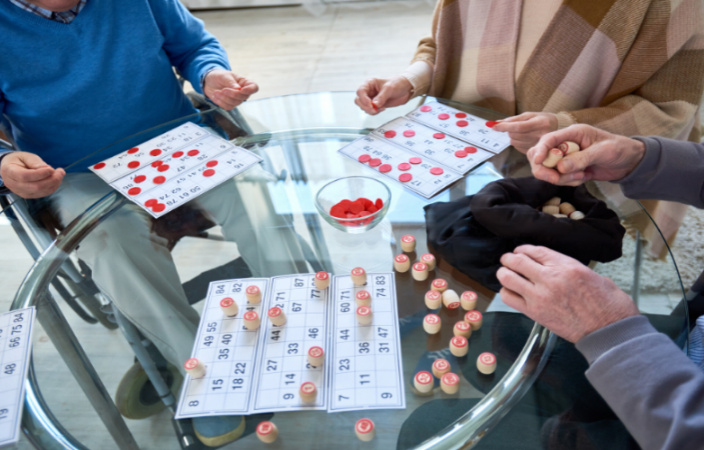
(265, 223)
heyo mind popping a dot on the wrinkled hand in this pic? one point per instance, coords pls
(560, 293)
(526, 129)
(28, 176)
(375, 95)
(227, 89)
(604, 156)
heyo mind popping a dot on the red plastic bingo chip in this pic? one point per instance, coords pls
(211, 163)
(459, 341)
(364, 426)
(390, 134)
(322, 275)
(362, 295)
(191, 364)
(409, 133)
(134, 191)
(470, 149)
(461, 154)
(364, 158)
(415, 160)
(252, 290)
(439, 135)
(491, 123)
(251, 315)
(155, 152)
(208, 173)
(404, 166)
(432, 319)
(99, 166)
(274, 312)
(460, 115)
(159, 207)
(265, 428)
(226, 302)
(385, 168)
(433, 295)
(375, 162)
(133, 164)
(150, 203)
(139, 178)
(158, 180)
(424, 377)
(473, 316)
(157, 163)
(439, 283)
(405, 177)
(487, 358)
(132, 151)
(426, 108)
(441, 365)
(443, 116)
(193, 152)
(437, 171)
(401, 258)
(315, 352)
(450, 379)
(177, 154)
(163, 168)
(308, 387)
(462, 123)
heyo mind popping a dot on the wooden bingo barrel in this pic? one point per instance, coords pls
(440, 367)
(474, 319)
(253, 294)
(364, 315)
(450, 383)
(429, 260)
(486, 363)
(267, 432)
(459, 346)
(423, 382)
(276, 316)
(316, 356)
(420, 271)
(462, 328)
(468, 300)
(450, 299)
(229, 307)
(432, 324)
(433, 299)
(408, 243)
(439, 284)
(251, 320)
(359, 276)
(365, 430)
(402, 263)
(321, 280)
(308, 392)
(363, 298)
(194, 367)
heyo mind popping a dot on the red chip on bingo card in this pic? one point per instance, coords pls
(155, 152)
(375, 162)
(439, 135)
(470, 149)
(211, 163)
(132, 151)
(159, 207)
(99, 166)
(193, 152)
(364, 158)
(491, 123)
(436, 171)
(404, 166)
(405, 177)
(250, 315)
(450, 379)
(208, 173)
(385, 168)
(134, 191)
(151, 202)
(401, 258)
(443, 116)
(390, 134)
(139, 178)
(251, 290)
(163, 168)
(441, 364)
(177, 154)
(275, 311)
(409, 133)
(322, 275)
(432, 319)
(364, 426)
(265, 428)
(487, 358)
(133, 164)
(462, 123)
(460, 115)
(426, 108)
(191, 363)
(433, 295)
(362, 295)
(157, 163)
(158, 180)
(461, 154)
(315, 352)
(459, 341)
(424, 377)
(227, 301)
(473, 316)
(415, 160)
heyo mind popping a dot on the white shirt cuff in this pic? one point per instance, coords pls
(419, 74)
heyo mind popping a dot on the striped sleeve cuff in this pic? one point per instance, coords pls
(419, 74)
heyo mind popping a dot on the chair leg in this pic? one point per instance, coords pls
(637, 264)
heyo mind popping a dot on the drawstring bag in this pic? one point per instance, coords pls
(473, 233)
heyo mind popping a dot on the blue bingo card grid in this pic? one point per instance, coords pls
(366, 365)
(284, 366)
(15, 349)
(229, 352)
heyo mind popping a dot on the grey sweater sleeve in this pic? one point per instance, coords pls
(656, 391)
(670, 170)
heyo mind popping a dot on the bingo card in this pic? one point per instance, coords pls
(171, 169)
(366, 368)
(15, 349)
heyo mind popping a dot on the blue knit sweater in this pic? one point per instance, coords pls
(68, 90)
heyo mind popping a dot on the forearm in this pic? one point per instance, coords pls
(651, 385)
(670, 170)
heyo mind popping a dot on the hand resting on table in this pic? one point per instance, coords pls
(28, 176)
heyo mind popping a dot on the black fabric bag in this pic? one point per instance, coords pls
(473, 233)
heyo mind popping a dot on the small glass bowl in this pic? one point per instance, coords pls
(352, 188)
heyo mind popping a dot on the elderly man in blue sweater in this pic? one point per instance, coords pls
(78, 75)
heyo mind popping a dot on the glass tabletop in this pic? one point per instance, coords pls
(264, 223)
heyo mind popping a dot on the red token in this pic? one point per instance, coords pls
(385, 168)
(439, 136)
(157, 163)
(379, 204)
(420, 267)
(338, 211)
(440, 364)
(405, 177)
(415, 160)
(356, 207)
(159, 207)
(424, 377)
(432, 319)
(443, 116)
(491, 123)
(322, 275)
(364, 158)
(439, 283)
(208, 173)
(100, 165)
(404, 166)
(364, 311)
(426, 108)
(401, 258)
(155, 152)
(450, 379)
(462, 123)
(159, 179)
(134, 191)
(251, 290)
(190, 363)
(461, 154)
(469, 296)
(459, 341)
(487, 358)
(345, 204)
(433, 295)
(362, 295)
(151, 202)
(409, 133)
(177, 155)
(357, 271)
(163, 168)
(211, 164)
(470, 149)
(265, 427)
(251, 315)
(226, 302)
(473, 316)
(275, 311)
(133, 164)
(436, 171)
(462, 325)
(407, 238)
(308, 387)
(375, 162)
(192, 152)
(132, 151)
(460, 115)
(364, 426)
(389, 134)
(139, 178)
(315, 352)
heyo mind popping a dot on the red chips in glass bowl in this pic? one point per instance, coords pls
(353, 204)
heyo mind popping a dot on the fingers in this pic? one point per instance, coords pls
(27, 168)
(579, 161)
(37, 189)
(523, 126)
(514, 282)
(554, 177)
(513, 300)
(383, 95)
(522, 264)
(544, 255)
(364, 94)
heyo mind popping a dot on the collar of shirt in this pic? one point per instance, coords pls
(63, 16)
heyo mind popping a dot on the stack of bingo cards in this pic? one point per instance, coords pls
(173, 168)
(428, 149)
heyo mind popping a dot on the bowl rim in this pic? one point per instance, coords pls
(339, 220)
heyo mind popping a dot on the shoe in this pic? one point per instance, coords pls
(218, 431)
(136, 397)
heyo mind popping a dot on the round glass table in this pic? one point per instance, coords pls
(537, 398)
